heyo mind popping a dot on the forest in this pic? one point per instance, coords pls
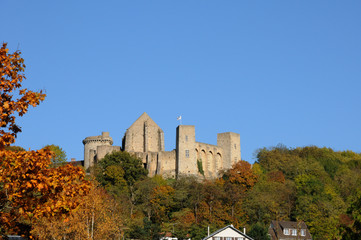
(42, 196)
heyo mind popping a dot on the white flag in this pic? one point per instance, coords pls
(179, 118)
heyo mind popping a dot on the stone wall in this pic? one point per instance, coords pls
(104, 150)
(211, 157)
(231, 144)
(167, 163)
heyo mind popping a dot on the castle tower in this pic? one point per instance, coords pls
(144, 135)
(186, 162)
(231, 144)
(90, 147)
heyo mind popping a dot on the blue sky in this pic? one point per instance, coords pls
(273, 71)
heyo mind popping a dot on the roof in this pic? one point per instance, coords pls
(144, 118)
(222, 229)
(276, 231)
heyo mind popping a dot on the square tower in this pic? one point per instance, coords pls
(186, 162)
(230, 142)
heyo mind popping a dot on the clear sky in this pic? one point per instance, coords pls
(273, 71)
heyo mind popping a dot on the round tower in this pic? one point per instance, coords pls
(90, 147)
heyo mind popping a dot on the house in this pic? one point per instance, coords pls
(287, 230)
(228, 233)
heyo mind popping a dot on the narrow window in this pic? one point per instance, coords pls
(235, 146)
(186, 138)
(187, 153)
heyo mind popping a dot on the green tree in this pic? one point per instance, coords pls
(259, 232)
(14, 148)
(59, 155)
(118, 172)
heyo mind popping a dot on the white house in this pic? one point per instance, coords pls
(228, 233)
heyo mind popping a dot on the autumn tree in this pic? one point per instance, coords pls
(96, 217)
(29, 189)
(11, 76)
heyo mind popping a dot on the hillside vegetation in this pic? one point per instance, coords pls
(315, 185)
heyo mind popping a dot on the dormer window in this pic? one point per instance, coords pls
(303, 232)
(286, 231)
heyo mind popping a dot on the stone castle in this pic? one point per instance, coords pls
(145, 139)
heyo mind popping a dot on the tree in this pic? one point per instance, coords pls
(259, 232)
(353, 228)
(118, 172)
(59, 155)
(96, 217)
(11, 76)
(29, 189)
(241, 174)
(14, 148)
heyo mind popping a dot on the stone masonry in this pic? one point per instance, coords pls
(145, 139)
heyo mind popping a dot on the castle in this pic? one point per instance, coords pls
(145, 139)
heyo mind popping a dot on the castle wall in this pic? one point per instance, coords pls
(104, 150)
(211, 157)
(150, 161)
(162, 163)
(167, 164)
(231, 144)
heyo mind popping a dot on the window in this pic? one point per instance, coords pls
(303, 232)
(240, 238)
(187, 153)
(235, 146)
(186, 138)
(294, 232)
(228, 238)
(286, 231)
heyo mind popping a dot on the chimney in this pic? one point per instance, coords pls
(244, 230)
(73, 159)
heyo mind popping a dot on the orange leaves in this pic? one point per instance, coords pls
(241, 173)
(11, 76)
(34, 190)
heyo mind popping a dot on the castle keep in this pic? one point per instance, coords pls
(145, 139)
